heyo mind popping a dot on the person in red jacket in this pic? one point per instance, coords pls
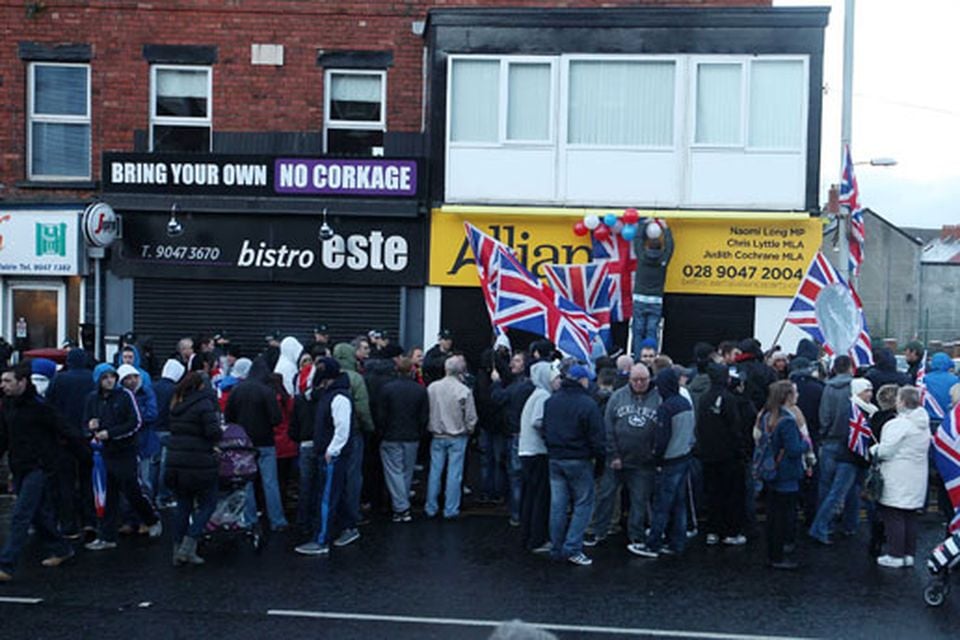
(286, 447)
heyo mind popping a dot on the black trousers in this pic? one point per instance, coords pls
(122, 480)
(900, 526)
(724, 483)
(781, 522)
(534, 501)
(74, 491)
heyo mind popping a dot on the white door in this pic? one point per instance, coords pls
(36, 314)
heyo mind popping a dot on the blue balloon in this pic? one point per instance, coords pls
(610, 219)
(629, 232)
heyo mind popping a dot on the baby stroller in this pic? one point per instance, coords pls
(238, 466)
(943, 558)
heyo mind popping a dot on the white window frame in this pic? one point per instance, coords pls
(564, 107)
(746, 63)
(57, 119)
(362, 125)
(172, 121)
(504, 103)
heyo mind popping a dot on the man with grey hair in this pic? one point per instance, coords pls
(453, 417)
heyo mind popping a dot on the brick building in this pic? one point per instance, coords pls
(251, 83)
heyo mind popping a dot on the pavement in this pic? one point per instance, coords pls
(437, 579)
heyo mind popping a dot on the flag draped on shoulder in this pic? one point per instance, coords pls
(861, 435)
(811, 309)
(518, 299)
(850, 198)
(622, 263)
(927, 400)
(98, 477)
(946, 455)
(587, 286)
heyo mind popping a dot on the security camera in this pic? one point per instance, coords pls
(174, 228)
(326, 231)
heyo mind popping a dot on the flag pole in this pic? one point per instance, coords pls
(846, 126)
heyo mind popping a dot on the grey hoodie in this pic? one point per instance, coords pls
(835, 409)
(629, 422)
(531, 418)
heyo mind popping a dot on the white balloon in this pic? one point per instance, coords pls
(591, 221)
(653, 230)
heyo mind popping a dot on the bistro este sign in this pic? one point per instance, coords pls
(259, 176)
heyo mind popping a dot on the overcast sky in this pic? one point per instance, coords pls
(906, 105)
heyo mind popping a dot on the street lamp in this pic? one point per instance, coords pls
(879, 162)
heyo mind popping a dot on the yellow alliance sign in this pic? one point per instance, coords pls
(716, 253)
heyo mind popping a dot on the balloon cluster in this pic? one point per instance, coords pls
(610, 224)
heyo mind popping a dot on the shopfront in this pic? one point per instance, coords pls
(733, 273)
(263, 256)
(41, 262)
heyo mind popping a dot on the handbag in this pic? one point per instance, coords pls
(873, 482)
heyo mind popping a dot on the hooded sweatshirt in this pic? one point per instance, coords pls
(144, 376)
(163, 388)
(149, 442)
(652, 262)
(719, 431)
(117, 412)
(835, 409)
(346, 355)
(884, 371)
(674, 436)
(939, 379)
(531, 418)
(630, 421)
(902, 452)
(68, 392)
(331, 425)
(290, 350)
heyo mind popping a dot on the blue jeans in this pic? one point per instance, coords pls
(571, 481)
(646, 324)
(837, 491)
(493, 447)
(34, 506)
(149, 473)
(449, 452)
(353, 487)
(670, 506)
(640, 487)
(515, 476)
(267, 463)
(398, 460)
(308, 489)
(206, 503)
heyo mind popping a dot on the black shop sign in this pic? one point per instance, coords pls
(277, 248)
(259, 176)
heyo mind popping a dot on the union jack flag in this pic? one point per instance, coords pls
(521, 301)
(587, 286)
(927, 400)
(622, 264)
(99, 479)
(946, 455)
(861, 435)
(850, 198)
(803, 312)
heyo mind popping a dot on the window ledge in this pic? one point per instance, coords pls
(80, 185)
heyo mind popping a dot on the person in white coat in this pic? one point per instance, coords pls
(902, 451)
(287, 365)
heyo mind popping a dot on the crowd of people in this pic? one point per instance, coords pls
(579, 454)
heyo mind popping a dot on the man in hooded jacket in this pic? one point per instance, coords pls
(253, 405)
(362, 425)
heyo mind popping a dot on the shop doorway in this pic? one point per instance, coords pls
(36, 314)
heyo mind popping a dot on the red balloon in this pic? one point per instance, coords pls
(601, 233)
(580, 229)
(630, 216)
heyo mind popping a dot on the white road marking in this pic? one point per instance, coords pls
(16, 600)
(468, 622)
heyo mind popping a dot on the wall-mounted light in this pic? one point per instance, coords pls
(174, 227)
(326, 231)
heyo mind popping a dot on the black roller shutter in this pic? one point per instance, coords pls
(167, 310)
(689, 319)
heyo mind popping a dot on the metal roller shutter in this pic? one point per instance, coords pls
(168, 310)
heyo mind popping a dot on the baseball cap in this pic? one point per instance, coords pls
(374, 334)
(446, 334)
(321, 328)
(580, 371)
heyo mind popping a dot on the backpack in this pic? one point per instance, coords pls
(765, 459)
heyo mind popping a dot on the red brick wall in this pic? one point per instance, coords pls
(245, 97)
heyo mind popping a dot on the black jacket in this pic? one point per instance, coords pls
(719, 432)
(194, 430)
(885, 371)
(304, 412)
(68, 393)
(433, 361)
(163, 389)
(29, 429)
(119, 416)
(378, 373)
(572, 424)
(404, 410)
(511, 398)
(253, 405)
(809, 393)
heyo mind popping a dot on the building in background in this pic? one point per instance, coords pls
(940, 291)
